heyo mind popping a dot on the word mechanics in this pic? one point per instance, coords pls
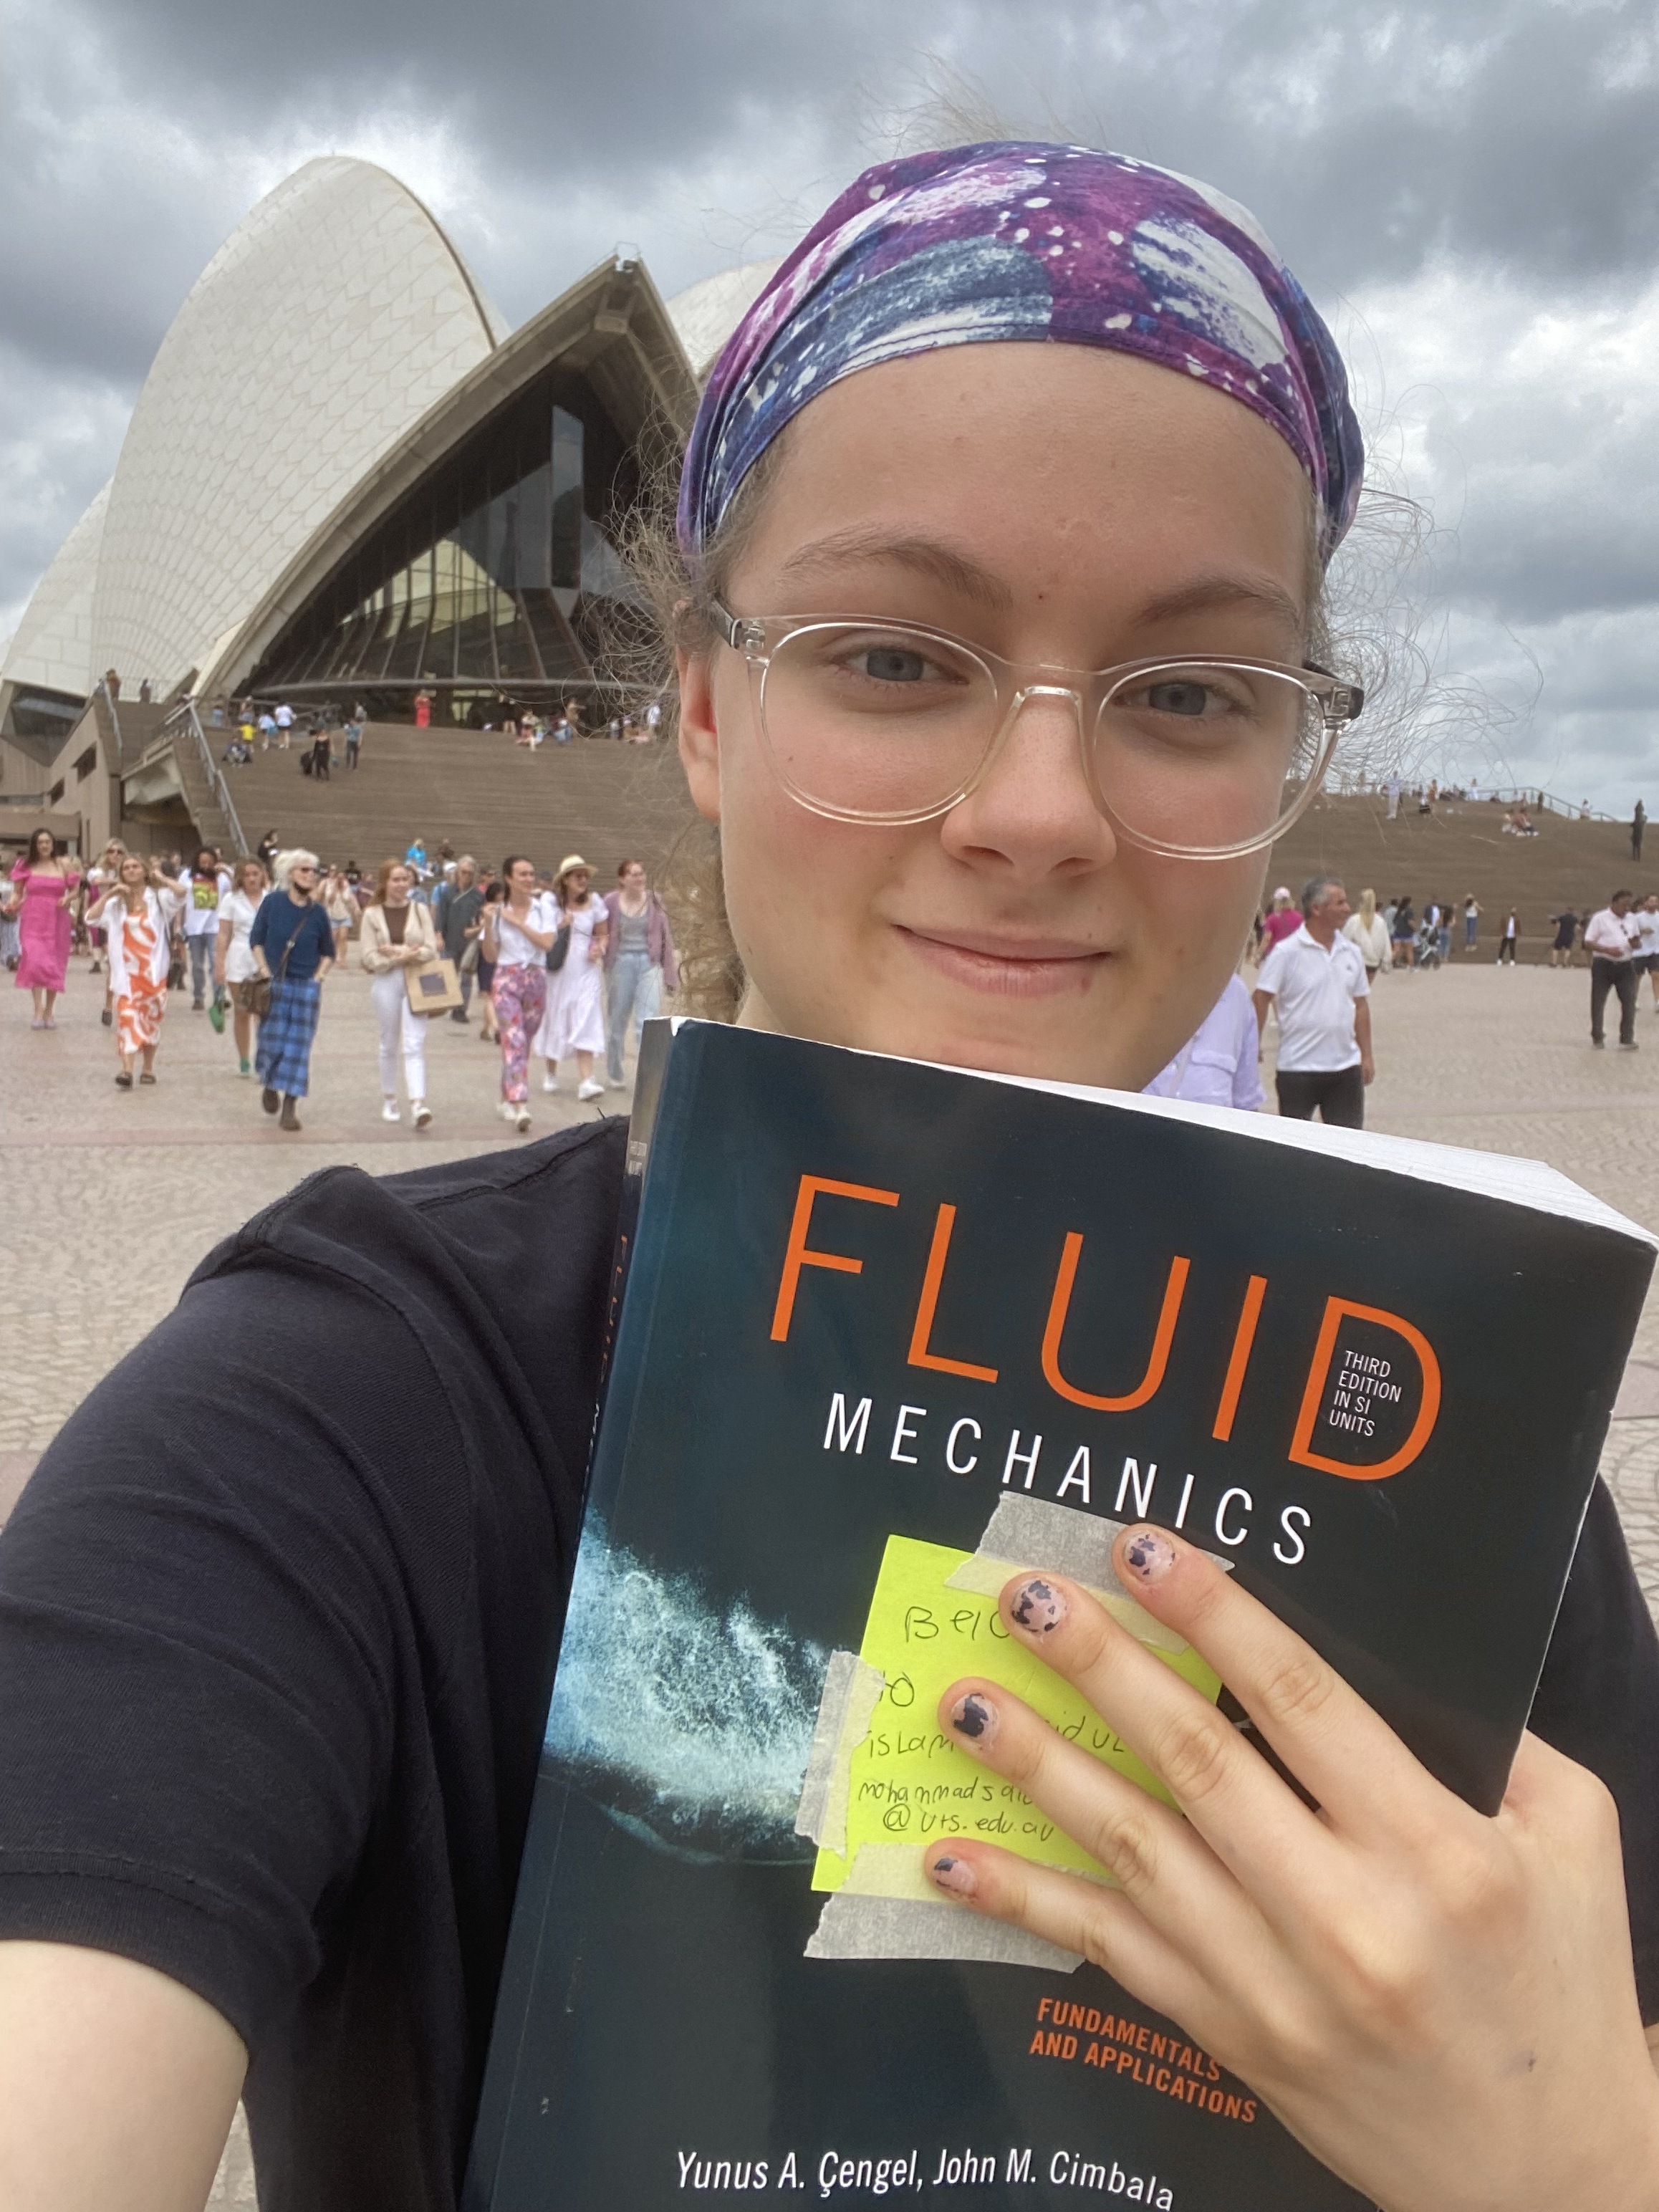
(1364, 1384)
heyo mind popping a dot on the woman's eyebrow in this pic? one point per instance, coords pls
(923, 557)
(1210, 594)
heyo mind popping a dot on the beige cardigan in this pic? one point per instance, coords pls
(374, 946)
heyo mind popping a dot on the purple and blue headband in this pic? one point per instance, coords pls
(1028, 242)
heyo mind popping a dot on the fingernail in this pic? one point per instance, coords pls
(1038, 1606)
(974, 1717)
(1148, 1556)
(956, 1875)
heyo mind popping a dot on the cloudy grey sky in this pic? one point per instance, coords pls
(1467, 188)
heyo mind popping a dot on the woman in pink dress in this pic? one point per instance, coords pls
(43, 890)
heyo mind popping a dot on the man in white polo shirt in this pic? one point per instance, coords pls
(1611, 938)
(1317, 981)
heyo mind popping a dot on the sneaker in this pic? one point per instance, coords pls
(1628, 1044)
(523, 1119)
(245, 1067)
(459, 1016)
(106, 1017)
(269, 1099)
(508, 1110)
(389, 1111)
(615, 1083)
(423, 1113)
(590, 1089)
(1600, 1043)
(549, 1083)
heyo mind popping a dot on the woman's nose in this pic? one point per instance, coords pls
(1032, 813)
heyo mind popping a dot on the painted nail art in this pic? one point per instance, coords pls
(1149, 1556)
(1038, 1606)
(974, 1717)
(956, 1875)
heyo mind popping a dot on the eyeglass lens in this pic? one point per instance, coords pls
(878, 722)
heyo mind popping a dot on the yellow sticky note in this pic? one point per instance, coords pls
(909, 1784)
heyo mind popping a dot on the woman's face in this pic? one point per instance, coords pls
(633, 881)
(1051, 503)
(43, 846)
(134, 873)
(576, 885)
(523, 878)
(398, 886)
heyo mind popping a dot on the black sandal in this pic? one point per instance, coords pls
(147, 1077)
(124, 1081)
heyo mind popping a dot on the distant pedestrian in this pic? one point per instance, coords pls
(44, 884)
(354, 733)
(573, 1027)
(322, 754)
(1638, 822)
(1565, 926)
(340, 905)
(397, 935)
(518, 936)
(203, 883)
(639, 961)
(1471, 922)
(460, 925)
(1280, 921)
(423, 710)
(1611, 938)
(1647, 927)
(1317, 981)
(1404, 933)
(267, 849)
(1220, 1064)
(291, 942)
(1508, 939)
(1367, 929)
(138, 913)
(284, 718)
(234, 968)
(1393, 789)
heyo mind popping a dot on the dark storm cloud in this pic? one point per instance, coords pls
(1513, 143)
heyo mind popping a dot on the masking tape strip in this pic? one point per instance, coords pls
(852, 1690)
(857, 1927)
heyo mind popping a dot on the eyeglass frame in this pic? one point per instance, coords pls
(757, 637)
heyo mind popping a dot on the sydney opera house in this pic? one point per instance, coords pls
(345, 474)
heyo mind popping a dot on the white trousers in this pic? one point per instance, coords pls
(400, 1028)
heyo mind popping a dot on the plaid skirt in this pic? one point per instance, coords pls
(283, 1060)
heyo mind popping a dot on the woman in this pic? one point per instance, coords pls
(397, 935)
(294, 947)
(574, 1024)
(494, 891)
(519, 930)
(235, 967)
(99, 876)
(386, 1499)
(1509, 938)
(1366, 928)
(639, 960)
(138, 912)
(43, 892)
(1405, 934)
(341, 908)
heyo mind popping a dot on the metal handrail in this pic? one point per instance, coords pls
(216, 783)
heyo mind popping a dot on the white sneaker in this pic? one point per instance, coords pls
(523, 1119)
(549, 1083)
(508, 1110)
(389, 1111)
(590, 1089)
(422, 1113)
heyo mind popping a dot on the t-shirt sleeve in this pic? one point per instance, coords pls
(201, 1630)
(1599, 1703)
(1271, 972)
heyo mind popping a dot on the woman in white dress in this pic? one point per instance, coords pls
(573, 1025)
(233, 965)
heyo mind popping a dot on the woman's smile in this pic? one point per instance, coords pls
(1006, 964)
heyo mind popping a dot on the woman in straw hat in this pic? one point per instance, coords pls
(573, 1025)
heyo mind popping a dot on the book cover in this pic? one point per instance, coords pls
(890, 1333)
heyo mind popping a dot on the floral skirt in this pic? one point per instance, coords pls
(138, 1012)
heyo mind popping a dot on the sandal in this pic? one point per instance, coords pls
(124, 1081)
(146, 1077)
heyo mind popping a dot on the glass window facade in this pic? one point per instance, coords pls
(493, 582)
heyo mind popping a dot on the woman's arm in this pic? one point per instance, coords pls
(95, 911)
(118, 2084)
(1440, 2006)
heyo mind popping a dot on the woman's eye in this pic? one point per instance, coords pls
(892, 663)
(1181, 698)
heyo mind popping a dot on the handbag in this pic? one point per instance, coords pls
(559, 952)
(433, 988)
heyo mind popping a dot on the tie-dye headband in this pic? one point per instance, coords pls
(1022, 242)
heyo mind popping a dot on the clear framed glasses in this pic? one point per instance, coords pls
(886, 723)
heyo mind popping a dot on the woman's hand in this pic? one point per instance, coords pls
(1440, 2006)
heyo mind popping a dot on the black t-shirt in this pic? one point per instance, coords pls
(278, 1613)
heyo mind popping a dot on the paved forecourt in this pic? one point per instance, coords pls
(112, 1197)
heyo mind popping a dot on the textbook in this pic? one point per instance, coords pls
(886, 1333)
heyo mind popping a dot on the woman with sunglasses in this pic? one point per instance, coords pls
(294, 946)
(996, 615)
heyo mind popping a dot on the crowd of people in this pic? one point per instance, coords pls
(562, 973)
(278, 726)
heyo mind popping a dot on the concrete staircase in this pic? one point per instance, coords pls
(487, 795)
(1460, 848)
